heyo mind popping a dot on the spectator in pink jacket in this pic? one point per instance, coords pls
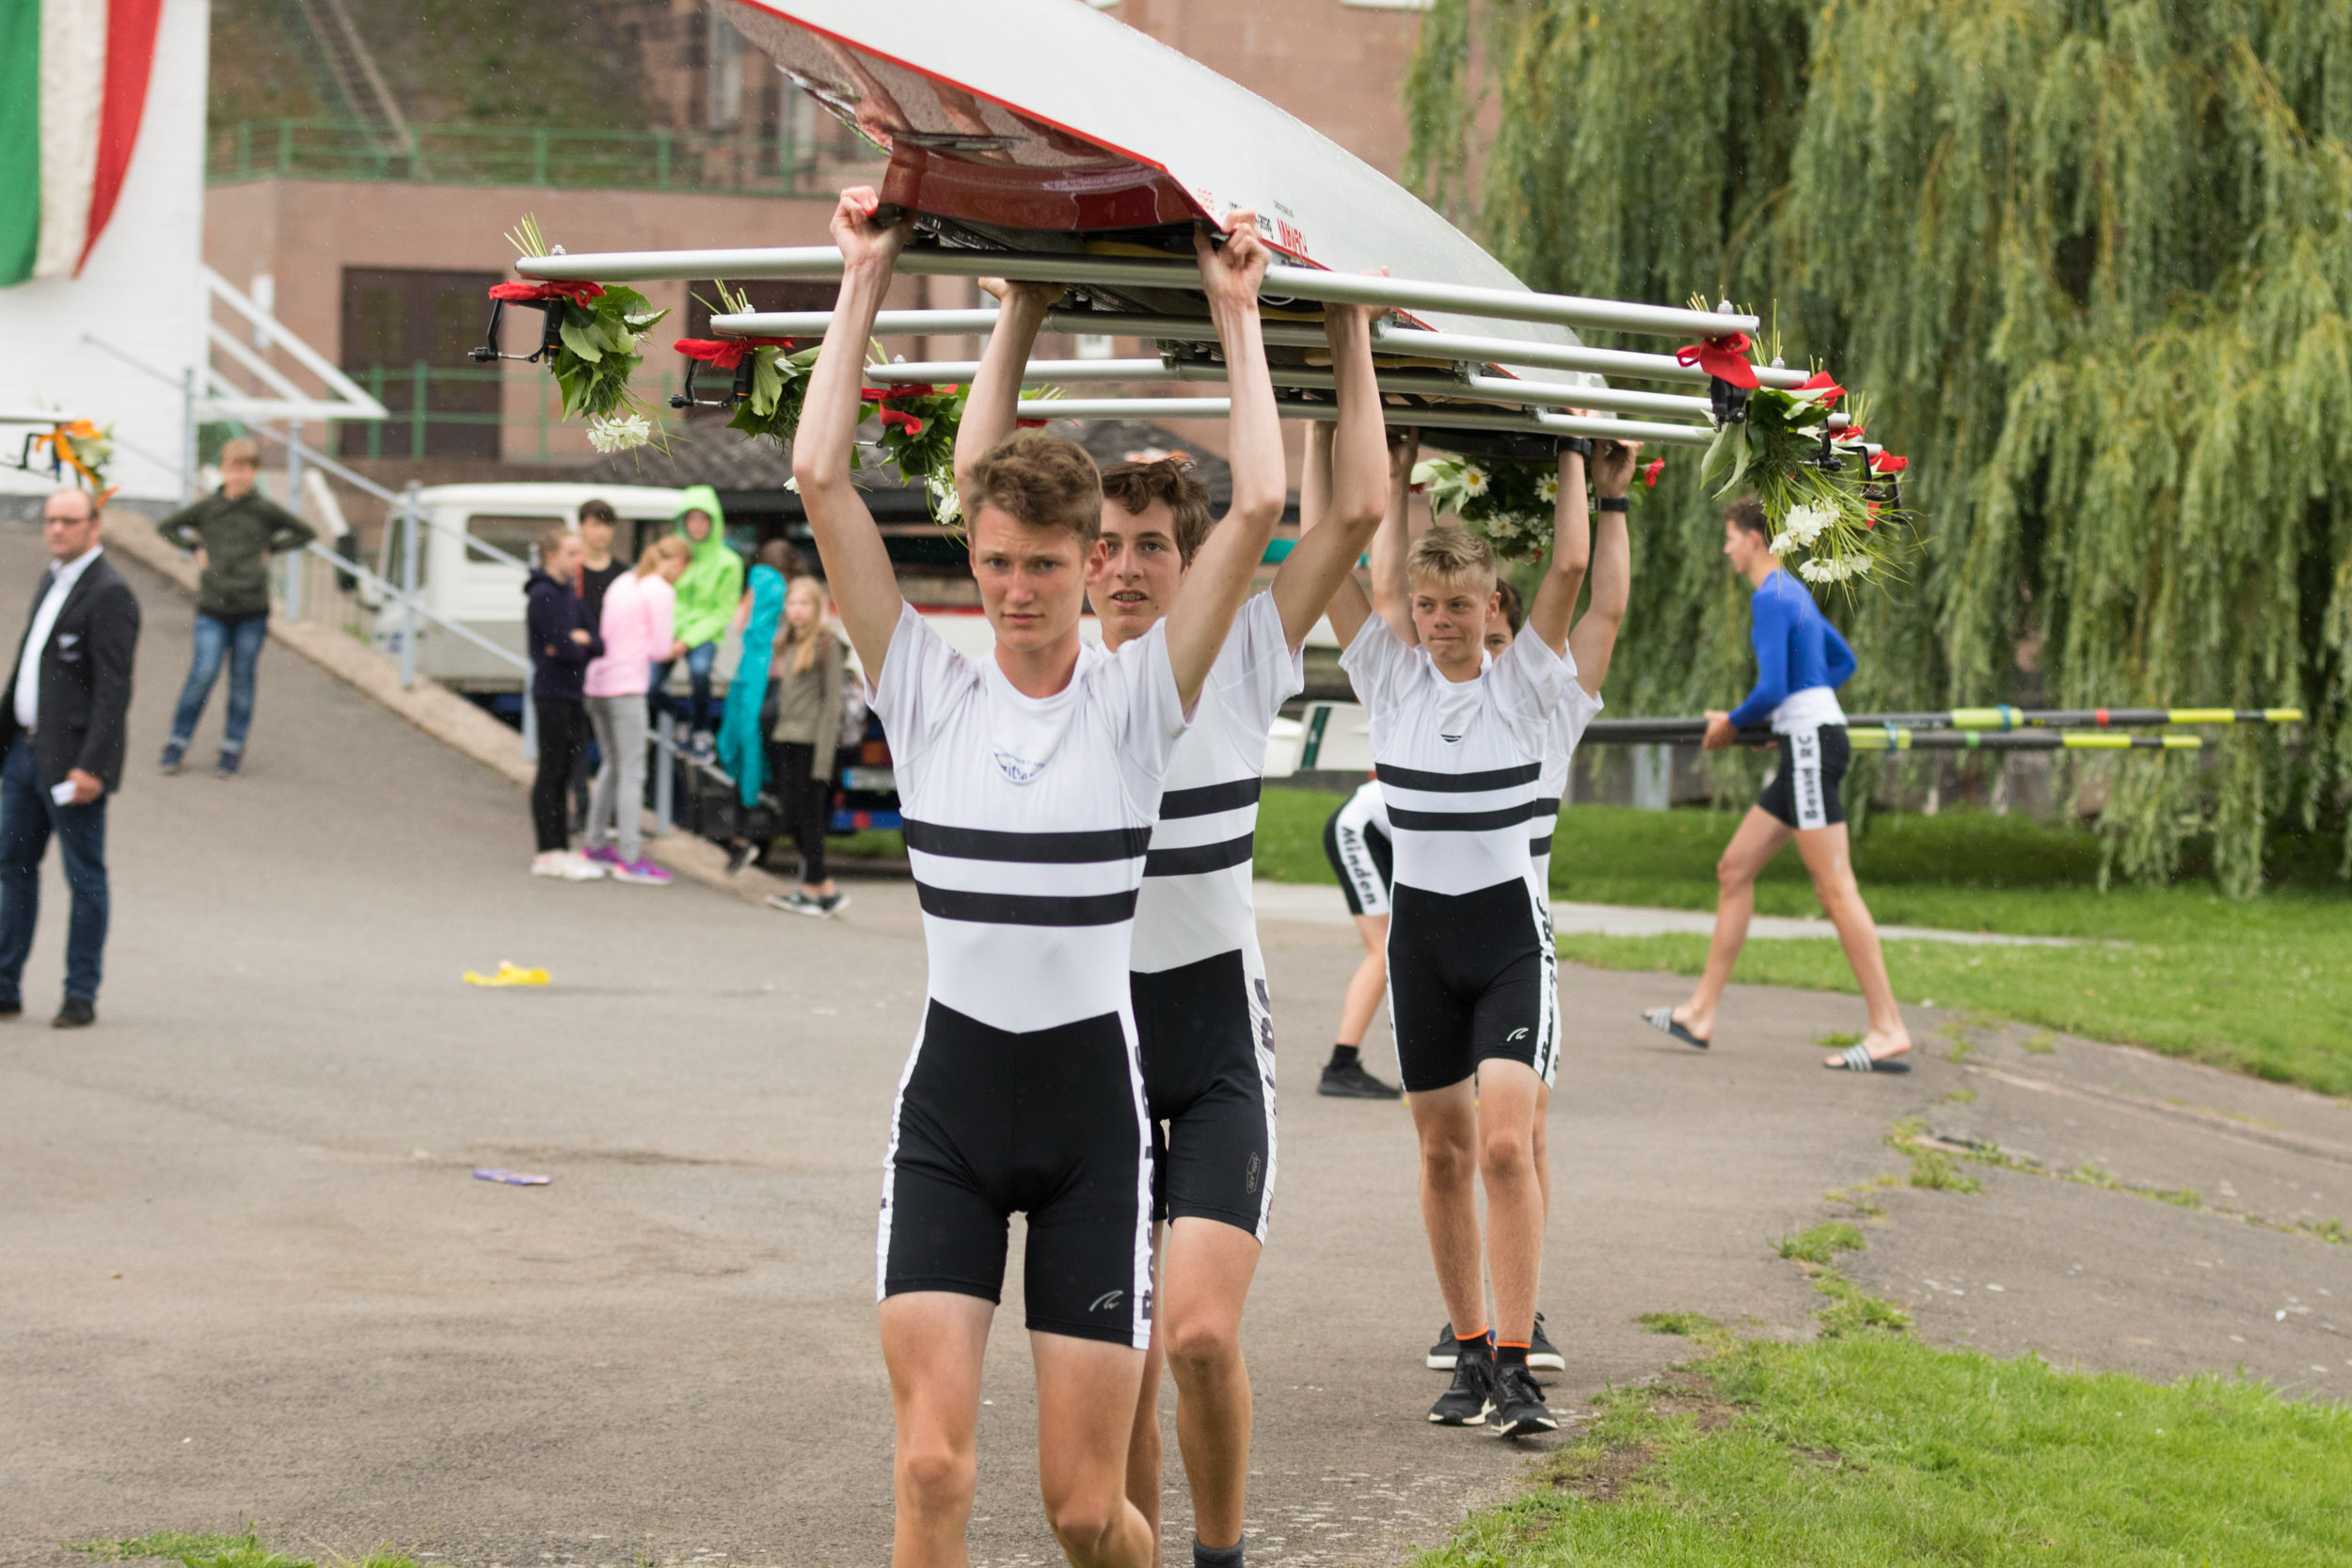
(637, 608)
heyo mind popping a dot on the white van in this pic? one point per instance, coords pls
(481, 592)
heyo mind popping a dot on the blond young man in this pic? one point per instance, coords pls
(1459, 742)
(1030, 782)
(1202, 1014)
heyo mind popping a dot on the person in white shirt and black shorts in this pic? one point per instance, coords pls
(1458, 747)
(1031, 783)
(1357, 842)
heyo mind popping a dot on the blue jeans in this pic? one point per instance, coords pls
(699, 659)
(27, 817)
(242, 641)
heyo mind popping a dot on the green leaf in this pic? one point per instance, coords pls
(582, 337)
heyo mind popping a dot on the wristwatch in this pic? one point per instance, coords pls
(1580, 445)
(1612, 503)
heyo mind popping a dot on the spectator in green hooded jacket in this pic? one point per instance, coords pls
(706, 597)
(235, 530)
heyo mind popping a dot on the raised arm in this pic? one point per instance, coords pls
(1351, 468)
(1219, 578)
(1392, 545)
(857, 564)
(992, 409)
(1595, 634)
(1571, 555)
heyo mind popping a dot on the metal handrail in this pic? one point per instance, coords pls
(313, 455)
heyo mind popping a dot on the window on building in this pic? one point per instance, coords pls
(406, 335)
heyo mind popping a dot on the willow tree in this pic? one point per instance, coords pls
(2092, 259)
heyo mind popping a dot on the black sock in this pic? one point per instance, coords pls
(1343, 1056)
(1218, 1557)
(1511, 1356)
(1477, 1344)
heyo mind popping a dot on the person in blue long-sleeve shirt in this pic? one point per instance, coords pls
(1800, 661)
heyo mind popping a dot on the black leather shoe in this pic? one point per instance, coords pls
(75, 1014)
(11, 1008)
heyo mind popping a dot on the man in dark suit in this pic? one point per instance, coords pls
(61, 733)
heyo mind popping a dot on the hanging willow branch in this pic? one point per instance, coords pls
(2093, 261)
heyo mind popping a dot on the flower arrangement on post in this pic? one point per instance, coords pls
(1824, 491)
(85, 447)
(592, 348)
(1508, 504)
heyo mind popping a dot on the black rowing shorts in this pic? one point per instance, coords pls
(1207, 1042)
(1048, 1123)
(1804, 791)
(1363, 861)
(1471, 978)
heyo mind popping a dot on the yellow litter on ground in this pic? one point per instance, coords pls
(507, 975)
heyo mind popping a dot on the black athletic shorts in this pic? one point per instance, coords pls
(1207, 1038)
(1363, 861)
(1048, 1123)
(1471, 978)
(1804, 790)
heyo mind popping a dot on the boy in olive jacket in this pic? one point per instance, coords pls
(236, 530)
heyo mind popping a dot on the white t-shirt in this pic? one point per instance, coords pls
(1196, 902)
(1459, 762)
(1028, 819)
(1576, 710)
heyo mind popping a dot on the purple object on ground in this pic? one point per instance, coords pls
(512, 1178)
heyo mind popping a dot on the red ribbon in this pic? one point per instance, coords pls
(910, 389)
(1887, 463)
(1030, 424)
(1650, 471)
(526, 291)
(1820, 380)
(725, 352)
(904, 420)
(1724, 358)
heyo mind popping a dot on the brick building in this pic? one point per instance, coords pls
(369, 209)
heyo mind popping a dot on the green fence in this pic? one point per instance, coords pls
(538, 155)
(407, 394)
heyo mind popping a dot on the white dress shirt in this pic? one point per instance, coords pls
(62, 576)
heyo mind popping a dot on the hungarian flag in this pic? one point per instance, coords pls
(72, 84)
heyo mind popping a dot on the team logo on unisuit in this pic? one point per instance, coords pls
(1019, 769)
(1106, 1302)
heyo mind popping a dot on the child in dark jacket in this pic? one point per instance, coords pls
(562, 641)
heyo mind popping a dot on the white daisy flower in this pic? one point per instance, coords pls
(1473, 480)
(619, 432)
(1549, 487)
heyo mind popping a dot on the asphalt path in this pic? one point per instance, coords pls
(247, 1273)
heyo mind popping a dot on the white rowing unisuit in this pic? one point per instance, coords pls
(1196, 901)
(1460, 763)
(1028, 819)
(1576, 710)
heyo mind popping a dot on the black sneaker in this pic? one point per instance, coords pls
(11, 1007)
(75, 1014)
(1352, 1082)
(1471, 1397)
(226, 767)
(1540, 1351)
(174, 754)
(739, 856)
(1441, 1354)
(1520, 1407)
(832, 904)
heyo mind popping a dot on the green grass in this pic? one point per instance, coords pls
(221, 1551)
(2257, 985)
(1874, 1448)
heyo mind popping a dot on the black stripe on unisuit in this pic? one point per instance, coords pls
(1468, 821)
(986, 844)
(1194, 859)
(1209, 798)
(1458, 783)
(1023, 908)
